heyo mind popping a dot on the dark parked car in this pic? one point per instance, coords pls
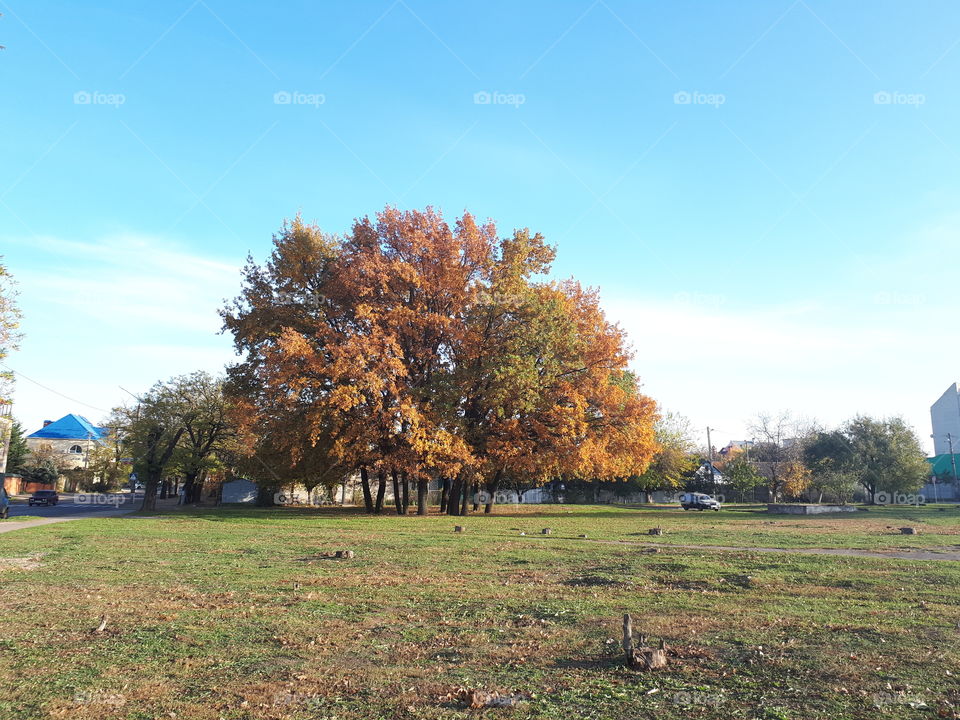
(698, 501)
(44, 497)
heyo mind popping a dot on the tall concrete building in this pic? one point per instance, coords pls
(945, 417)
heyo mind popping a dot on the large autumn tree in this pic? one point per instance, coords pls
(412, 349)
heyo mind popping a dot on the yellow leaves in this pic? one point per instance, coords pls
(434, 350)
(344, 398)
(796, 478)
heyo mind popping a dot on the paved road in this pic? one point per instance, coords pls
(73, 506)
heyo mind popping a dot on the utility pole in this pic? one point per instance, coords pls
(953, 458)
(713, 480)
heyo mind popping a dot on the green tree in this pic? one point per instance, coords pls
(830, 457)
(45, 473)
(777, 449)
(104, 470)
(674, 459)
(742, 474)
(18, 451)
(887, 455)
(44, 465)
(203, 411)
(152, 432)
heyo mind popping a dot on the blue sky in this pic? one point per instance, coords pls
(765, 192)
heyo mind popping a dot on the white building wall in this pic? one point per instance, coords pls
(61, 447)
(945, 418)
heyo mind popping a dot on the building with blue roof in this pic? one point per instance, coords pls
(70, 439)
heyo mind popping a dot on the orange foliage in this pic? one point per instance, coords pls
(415, 346)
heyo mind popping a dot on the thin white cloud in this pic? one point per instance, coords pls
(126, 310)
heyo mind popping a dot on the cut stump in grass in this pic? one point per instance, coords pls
(547, 531)
(908, 531)
(655, 531)
(643, 657)
(458, 528)
(344, 554)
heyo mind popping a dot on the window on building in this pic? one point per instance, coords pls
(76, 449)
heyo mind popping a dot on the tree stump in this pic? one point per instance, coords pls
(458, 528)
(547, 531)
(655, 531)
(644, 657)
(344, 554)
(908, 531)
(582, 536)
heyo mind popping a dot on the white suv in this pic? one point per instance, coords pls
(698, 501)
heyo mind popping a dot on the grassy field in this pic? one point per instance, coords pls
(240, 614)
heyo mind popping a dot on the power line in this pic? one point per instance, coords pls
(50, 389)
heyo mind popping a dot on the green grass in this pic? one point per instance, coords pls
(238, 614)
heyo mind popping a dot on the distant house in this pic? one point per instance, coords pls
(239, 490)
(735, 446)
(71, 438)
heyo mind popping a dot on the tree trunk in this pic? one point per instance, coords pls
(397, 500)
(365, 485)
(405, 488)
(466, 498)
(164, 489)
(444, 493)
(188, 488)
(381, 490)
(265, 496)
(492, 487)
(421, 496)
(150, 492)
(453, 501)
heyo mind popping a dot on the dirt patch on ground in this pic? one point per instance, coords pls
(19, 563)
